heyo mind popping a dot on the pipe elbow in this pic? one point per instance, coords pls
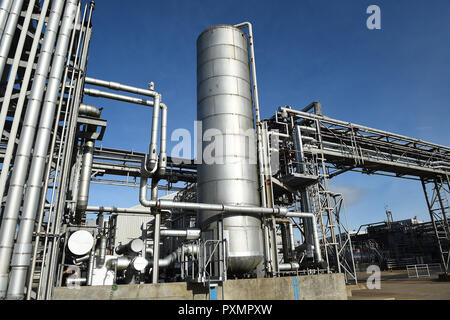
(162, 164)
(143, 194)
(89, 110)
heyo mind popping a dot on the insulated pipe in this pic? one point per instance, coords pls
(88, 158)
(189, 234)
(153, 157)
(90, 268)
(125, 262)
(18, 176)
(102, 252)
(257, 115)
(119, 87)
(51, 150)
(284, 212)
(291, 266)
(85, 177)
(23, 247)
(157, 227)
(8, 34)
(314, 227)
(54, 245)
(360, 127)
(82, 259)
(5, 8)
(117, 210)
(162, 163)
(118, 97)
(15, 67)
(291, 235)
(166, 261)
(88, 110)
(22, 96)
(134, 246)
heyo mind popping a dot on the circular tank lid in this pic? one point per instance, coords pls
(139, 264)
(80, 242)
(137, 245)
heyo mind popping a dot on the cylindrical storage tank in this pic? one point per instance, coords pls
(224, 107)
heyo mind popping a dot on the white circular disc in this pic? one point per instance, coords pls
(139, 263)
(80, 242)
(137, 245)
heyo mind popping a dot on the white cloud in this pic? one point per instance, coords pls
(352, 195)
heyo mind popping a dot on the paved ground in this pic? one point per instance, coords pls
(396, 285)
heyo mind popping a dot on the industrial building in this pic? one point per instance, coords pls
(395, 244)
(228, 221)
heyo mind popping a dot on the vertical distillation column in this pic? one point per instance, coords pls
(224, 106)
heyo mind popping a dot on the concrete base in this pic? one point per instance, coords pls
(316, 287)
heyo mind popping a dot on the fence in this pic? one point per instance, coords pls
(423, 270)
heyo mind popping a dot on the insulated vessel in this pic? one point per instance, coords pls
(228, 170)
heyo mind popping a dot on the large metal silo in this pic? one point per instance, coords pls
(224, 103)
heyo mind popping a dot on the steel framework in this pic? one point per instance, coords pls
(332, 147)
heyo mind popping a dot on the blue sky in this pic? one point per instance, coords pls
(394, 79)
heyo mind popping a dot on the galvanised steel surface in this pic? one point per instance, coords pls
(224, 103)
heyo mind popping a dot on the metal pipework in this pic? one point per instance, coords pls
(189, 234)
(73, 281)
(8, 33)
(88, 110)
(291, 236)
(120, 87)
(156, 236)
(283, 212)
(67, 153)
(52, 147)
(152, 160)
(18, 175)
(118, 97)
(20, 102)
(90, 268)
(166, 261)
(291, 266)
(85, 177)
(124, 263)
(5, 8)
(360, 127)
(23, 248)
(255, 97)
(15, 66)
(117, 210)
(134, 246)
(82, 259)
(86, 167)
(102, 252)
(162, 161)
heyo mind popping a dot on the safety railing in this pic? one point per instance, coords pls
(423, 270)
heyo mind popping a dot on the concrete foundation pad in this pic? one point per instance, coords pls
(315, 287)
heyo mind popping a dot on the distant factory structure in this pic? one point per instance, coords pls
(395, 244)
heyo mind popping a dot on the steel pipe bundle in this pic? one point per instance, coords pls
(23, 247)
(19, 173)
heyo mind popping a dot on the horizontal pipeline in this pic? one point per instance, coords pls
(284, 212)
